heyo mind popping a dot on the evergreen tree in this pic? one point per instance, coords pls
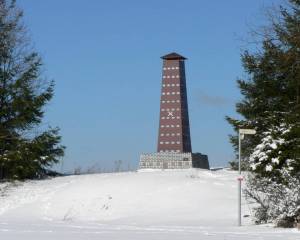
(25, 150)
(271, 97)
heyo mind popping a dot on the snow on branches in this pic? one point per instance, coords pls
(270, 156)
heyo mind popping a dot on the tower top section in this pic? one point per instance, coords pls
(173, 56)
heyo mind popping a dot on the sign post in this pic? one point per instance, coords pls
(242, 133)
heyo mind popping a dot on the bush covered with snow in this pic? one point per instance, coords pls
(277, 202)
(274, 181)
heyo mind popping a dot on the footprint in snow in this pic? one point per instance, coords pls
(105, 207)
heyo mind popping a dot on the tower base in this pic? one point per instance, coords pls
(172, 160)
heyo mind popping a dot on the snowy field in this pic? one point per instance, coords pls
(178, 204)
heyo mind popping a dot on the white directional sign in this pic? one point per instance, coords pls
(247, 131)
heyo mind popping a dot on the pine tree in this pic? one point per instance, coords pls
(26, 151)
(271, 97)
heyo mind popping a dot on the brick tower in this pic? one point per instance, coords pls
(174, 128)
(174, 150)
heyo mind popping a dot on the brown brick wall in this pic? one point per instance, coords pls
(174, 130)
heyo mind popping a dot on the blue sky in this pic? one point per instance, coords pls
(104, 56)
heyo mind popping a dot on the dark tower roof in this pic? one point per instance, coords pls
(173, 56)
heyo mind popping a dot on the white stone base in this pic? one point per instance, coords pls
(166, 160)
(173, 160)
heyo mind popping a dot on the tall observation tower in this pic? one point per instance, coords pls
(174, 149)
(174, 127)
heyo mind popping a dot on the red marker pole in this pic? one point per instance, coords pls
(242, 133)
(240, 186)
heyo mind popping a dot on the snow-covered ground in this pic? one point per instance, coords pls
(177, 204)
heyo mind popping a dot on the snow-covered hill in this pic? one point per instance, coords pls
(174, 204)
